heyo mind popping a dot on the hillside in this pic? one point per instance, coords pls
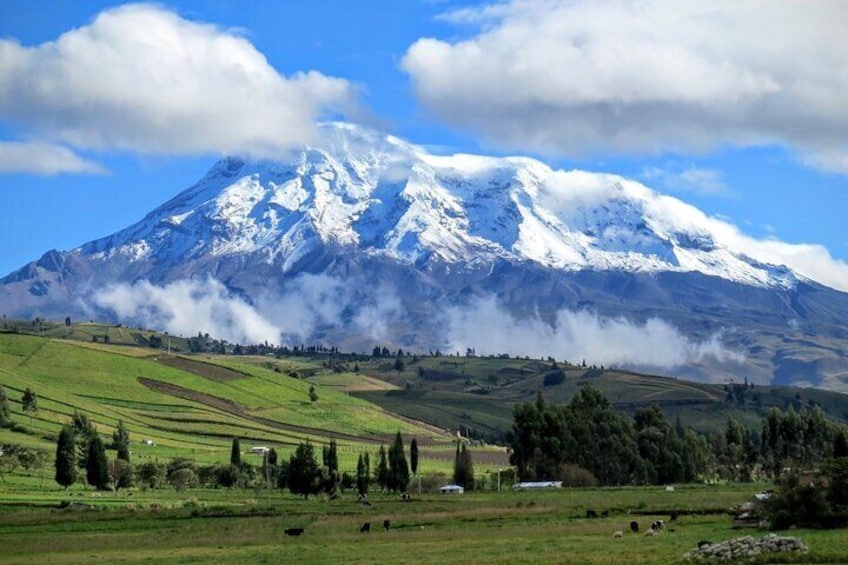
(195, 403)
(476, 394)
(188, 406)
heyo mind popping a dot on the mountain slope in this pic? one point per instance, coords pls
(367, 238)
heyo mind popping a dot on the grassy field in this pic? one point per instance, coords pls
(480, 527)
(192, 406)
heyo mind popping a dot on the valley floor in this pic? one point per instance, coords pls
(216, 526)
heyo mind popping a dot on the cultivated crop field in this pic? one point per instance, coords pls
(214, 526)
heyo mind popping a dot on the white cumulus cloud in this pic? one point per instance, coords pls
(41, 158)
(144, 79)
(572, 77)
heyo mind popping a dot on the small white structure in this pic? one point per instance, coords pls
(148, 442)
(537, 484)
(259, 449)
(452, 489)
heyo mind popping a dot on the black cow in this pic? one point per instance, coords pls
(387, 524)
(658, 525)
(366, 528)
(634, 527)
(293, 531)
(673, 517)
(591, 514)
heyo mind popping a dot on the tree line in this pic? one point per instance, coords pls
(588, 441)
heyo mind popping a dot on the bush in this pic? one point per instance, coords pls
(432, 482)
(576, 476)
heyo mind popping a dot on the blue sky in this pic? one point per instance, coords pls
(739, 108)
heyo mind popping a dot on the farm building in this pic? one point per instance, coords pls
(537, 484)
(452, 489)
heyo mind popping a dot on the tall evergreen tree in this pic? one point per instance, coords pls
(121, 441)
(5, 413)
(362, 474)
(840, 444)
(29, 401)
(96, 465)
(383, 469)
(66, 457)
(458, 466)
(83, 432)
(468, 463)
(398, 468)
(463, 467)
(235, 453)
(304, 475)
(413, 456)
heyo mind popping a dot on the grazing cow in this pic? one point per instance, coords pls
(673, 517)
(704, 543)
(618, 534)
(387, 524)
(658, 525)
(634, 527)
(293, 531)
(366, 528)
(591, 514)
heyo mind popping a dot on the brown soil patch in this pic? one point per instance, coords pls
(230, 407)
(201, 369)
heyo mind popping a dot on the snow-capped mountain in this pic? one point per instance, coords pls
(384, 197)
(437, 232)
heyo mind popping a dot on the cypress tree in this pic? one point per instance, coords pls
(29, 401)
(382, 469)
(5, 414)
(398, 468)
(66, 457)
(304, 475)
(235, 453)
(83, 432)
(413, 456)
(458, 466)
(362, 473)
(121, 441)
(96, 465)
(840, 445)
(333, 457)
(468, 464)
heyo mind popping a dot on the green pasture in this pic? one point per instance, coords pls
(187, 406)
(480, 527)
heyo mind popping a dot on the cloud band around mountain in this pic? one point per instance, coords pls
(313, 303)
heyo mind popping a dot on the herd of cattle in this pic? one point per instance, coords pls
(365, 529)
(656, 527)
